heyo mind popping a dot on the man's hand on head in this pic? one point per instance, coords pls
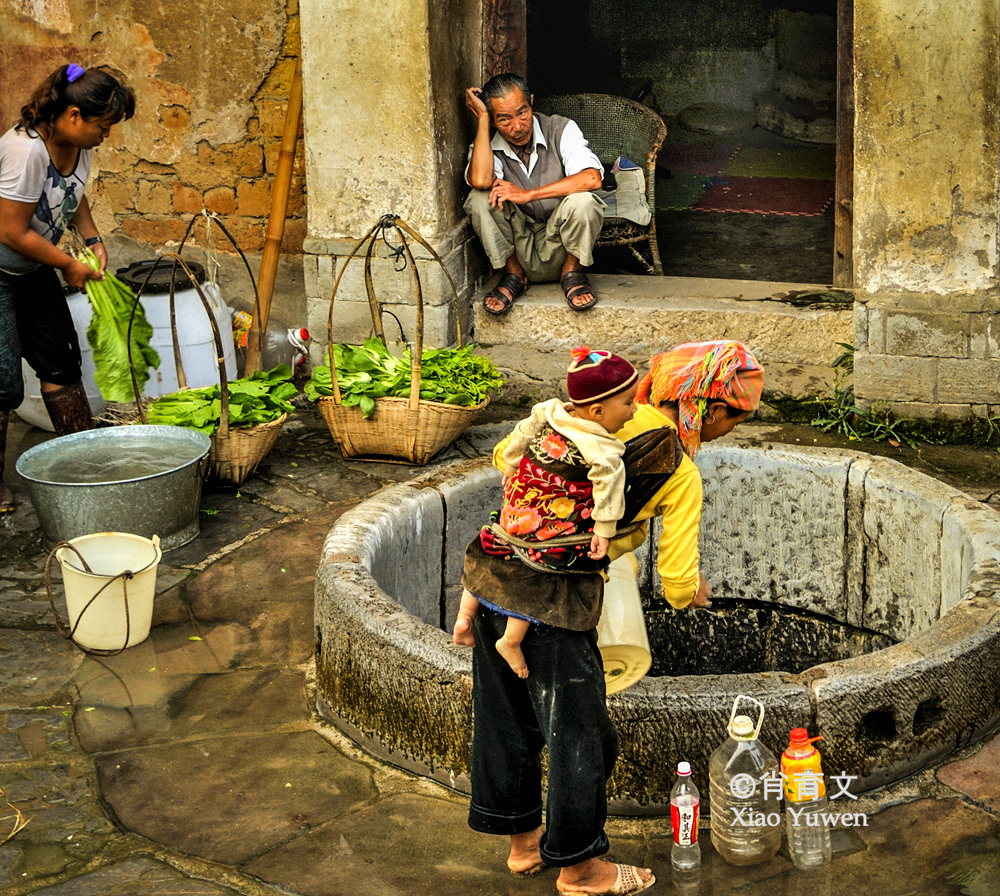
(474, 102)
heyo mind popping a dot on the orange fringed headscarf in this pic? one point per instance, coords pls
(695, 373)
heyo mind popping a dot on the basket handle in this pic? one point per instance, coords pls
(402, 228)
(212, 216)
(220, 357)
(329, 317)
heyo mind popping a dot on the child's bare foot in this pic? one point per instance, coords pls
(515, 659)
(462, 633)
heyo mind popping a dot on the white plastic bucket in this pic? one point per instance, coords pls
(103, 623)
(621, 632)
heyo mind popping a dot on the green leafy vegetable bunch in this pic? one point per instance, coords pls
(259, 398)
(108, 335)
(368, 372)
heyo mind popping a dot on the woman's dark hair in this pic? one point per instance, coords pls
(96, 93)
(500, 86)
(731, 410)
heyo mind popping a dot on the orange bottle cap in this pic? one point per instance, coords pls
(799, 737)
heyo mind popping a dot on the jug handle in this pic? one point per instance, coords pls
(760, 716)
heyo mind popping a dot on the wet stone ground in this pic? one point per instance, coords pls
(194, 764)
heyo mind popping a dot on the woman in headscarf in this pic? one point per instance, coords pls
(699, 391)
(703, 390)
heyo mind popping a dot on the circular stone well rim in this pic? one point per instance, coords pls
(389, 677)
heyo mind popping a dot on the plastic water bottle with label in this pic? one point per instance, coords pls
(685, 853)
(806, 817)
(744, 792)
(281, 344)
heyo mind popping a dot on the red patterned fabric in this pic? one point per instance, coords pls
(549, 496)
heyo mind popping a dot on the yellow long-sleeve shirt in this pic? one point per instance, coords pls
(677, 504)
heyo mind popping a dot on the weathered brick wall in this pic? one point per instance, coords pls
(212, 83)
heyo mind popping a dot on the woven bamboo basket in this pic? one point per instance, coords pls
(236, 451)
(401, 430)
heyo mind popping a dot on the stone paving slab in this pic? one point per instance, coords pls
(156, 708)
(66, 823)
(35, 667)
(134, 877)
(229, 799)
(977, 777)
(407, 844)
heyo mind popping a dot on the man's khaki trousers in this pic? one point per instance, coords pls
(541, 246)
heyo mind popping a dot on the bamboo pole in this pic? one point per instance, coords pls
(276, 220)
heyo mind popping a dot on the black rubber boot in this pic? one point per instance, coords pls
(6, 498)
(68, 409)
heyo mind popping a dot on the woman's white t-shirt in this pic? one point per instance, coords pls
(28, 175)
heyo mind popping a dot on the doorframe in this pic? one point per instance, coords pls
(505, 37)
(843, 206)
(505, 48)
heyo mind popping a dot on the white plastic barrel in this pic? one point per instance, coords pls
(194, 336)
(621, 632)
(105, 622)
(32, 409)
(194, 330)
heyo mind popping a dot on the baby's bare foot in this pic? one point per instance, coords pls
(462, 633)
(515, 659)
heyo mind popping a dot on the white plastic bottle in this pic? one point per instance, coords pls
(284, 345)
(805, 802)
(744, 793)
(281, 344)
(685, 853)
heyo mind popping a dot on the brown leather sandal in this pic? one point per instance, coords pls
(513, 284)
(576, 283)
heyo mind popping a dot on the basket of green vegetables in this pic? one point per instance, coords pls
(381, 407)
(242, 417)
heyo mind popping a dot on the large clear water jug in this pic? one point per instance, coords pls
(745, 792)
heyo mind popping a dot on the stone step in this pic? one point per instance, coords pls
(792, 328)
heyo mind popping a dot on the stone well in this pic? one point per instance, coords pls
(853, 596)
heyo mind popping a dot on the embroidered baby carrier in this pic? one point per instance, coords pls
(546, 518)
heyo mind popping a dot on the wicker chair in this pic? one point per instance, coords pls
(616, 126)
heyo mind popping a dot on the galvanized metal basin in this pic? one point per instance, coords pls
(145, 480)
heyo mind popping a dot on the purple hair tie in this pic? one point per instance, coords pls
(73, 72)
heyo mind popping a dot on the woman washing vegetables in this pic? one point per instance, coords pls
(45, 160)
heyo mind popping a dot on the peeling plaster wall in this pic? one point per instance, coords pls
(926, 206)
(926, 145)
(386, 132)
(212, 81)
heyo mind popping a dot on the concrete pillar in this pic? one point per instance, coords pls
(386, 132)
(926, 205)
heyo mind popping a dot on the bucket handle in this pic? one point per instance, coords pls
(760, 716)
(64, 630)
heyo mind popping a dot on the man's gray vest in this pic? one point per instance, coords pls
(548, 167)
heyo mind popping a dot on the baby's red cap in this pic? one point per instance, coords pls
(596, 375)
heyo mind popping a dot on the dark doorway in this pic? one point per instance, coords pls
(749, 181)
